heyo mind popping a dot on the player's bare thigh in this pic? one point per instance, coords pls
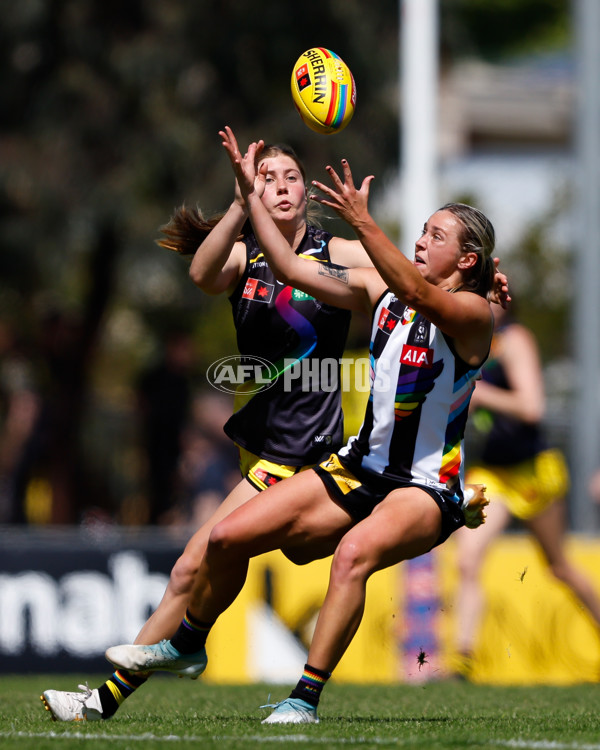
(293, 513)
(404, 525)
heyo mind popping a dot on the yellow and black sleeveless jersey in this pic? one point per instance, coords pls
(504, 440)
(291, 412)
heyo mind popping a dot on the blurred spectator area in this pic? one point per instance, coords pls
(19, 411)
(186, 464)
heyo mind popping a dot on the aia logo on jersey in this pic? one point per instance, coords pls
(416, 356)
(257, 290)
(387, 321)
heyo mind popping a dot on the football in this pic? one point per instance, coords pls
(323, 90)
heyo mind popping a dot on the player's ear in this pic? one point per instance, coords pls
(467, 260)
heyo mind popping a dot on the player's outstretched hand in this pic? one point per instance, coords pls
(248, 178)
(348, 202)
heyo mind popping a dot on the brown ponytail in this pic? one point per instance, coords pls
(187, 229)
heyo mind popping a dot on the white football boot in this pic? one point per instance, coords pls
(65, 706)
(292, 711)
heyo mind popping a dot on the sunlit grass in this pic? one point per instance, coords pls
(169, 712)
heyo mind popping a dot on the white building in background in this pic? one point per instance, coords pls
(505, 137)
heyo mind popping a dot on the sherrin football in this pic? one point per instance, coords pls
(323, 90)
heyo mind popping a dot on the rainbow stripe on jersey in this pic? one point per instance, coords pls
(451, 457)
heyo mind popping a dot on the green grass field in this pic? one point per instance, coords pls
(169, 712)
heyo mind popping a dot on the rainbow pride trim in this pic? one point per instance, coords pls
(340, 96)
(123, 682)
(122, 687)
(412, 389)
(196, 627)
(452, 457)
(307, 343)
(312, 682)
(337, 105)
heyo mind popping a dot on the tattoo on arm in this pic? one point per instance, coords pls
(341, 274)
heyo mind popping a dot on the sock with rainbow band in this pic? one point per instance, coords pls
(191, 634)
(310, 685)
(121, 685)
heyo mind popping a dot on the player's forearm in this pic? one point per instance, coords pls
(213, 253)
(278, 253)
(519, 405)
(397, 271)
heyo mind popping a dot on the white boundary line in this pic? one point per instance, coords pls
(519, 744)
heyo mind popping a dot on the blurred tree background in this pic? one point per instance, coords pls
(110, 113)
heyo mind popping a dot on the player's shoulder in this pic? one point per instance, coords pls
(350, 253)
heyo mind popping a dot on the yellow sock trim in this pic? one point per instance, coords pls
(117, 694)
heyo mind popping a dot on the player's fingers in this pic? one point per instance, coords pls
(231, 137)
(230, 143)
(348, 179)
(335, 178)
(323, 188)
(324, 201)
(366, 184)
(225, 140)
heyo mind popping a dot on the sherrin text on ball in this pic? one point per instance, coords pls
(323, 90)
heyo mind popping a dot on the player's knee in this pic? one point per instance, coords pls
(184, 574)
(350, 562)
(222, 540)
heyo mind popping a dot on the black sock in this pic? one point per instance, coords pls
(191, 634)
(113, 692)
(310, 685)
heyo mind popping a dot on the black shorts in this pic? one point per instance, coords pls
(358, 496)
